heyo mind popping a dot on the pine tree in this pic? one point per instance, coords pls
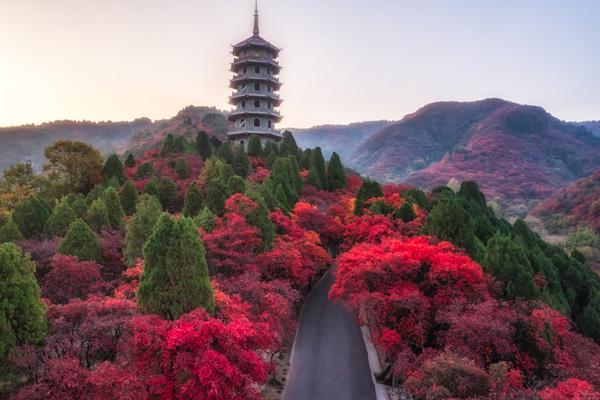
(81, 242)
(62, 216)
(130, 161)
(240, 162)
(205, 220)
(589, 319)
(168, 145)
(266, 192)
(405, 212)
(114, 208)
(305, 159)
(284, 174)
(181, 169)
(448, 220)
(9, 232)
(281, 198)
(225, 152)
(175, 278)
(113, 168)
(336, 177)
(288, 145)
(167, 193)
(151, 188)
(367, 190)
(236, 184)
(255, 147)
(30, 216)
(295, 173)
(216, 194)
(215, 168)
(94, 194)
(129, 197)
(313, 179)
(78, 204)
(97, 216)
(203, 146)
(22, 313)
(146, 170)
(259, 217)
(192, 203)
(140, 227)
(318, 162)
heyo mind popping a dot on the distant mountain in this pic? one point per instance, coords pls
(21, 143)
(343, 139)
(592, 126)
(575, 205)
(518, 154)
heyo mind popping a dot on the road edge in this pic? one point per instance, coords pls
(381, 391)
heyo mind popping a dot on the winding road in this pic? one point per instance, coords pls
(329, 360)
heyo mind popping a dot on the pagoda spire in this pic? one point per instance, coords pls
(256, 31)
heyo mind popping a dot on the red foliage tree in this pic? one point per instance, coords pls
(70, 278)
(572, 389)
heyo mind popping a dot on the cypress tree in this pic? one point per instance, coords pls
(78, 204)
(113, 168)
(236, 184)
(113, 207)
(589, 319)
(30, 216)
(367, 190)
(305, 159)
(336, 177)
(167, 193)
(259, 217)
(215, 142)
(240, 162)
(216, 194)
(255, 146)
(203, 146)
(448, 220)
(97, 215)
(205, 220)
(129, 197)
(146, 170)
(140, 227)
(215, 168)
(60, 220)
(22, 313)
(266, 192)
(405, 212)
(181, 168)
(94, 194)
(151, 188)
(283, 174)
(168, 145)
(9, 232)
(281, 198)
(113, 183)
(130, 161)
(295, 174)
(225, 152)
(318, 162)
(313, 178)
(288, 145)
(192, 203)
(175, 278)
(81, 242)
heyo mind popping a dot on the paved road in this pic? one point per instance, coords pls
(329, 360)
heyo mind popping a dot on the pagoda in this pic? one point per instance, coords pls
(256, 86)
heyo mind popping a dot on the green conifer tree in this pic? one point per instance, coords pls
(144, 171)
(225, 152)
(236, 184)
(130, 161)
(114, 208)
(31, 216)
(240, 162)
(151, 188)
(78, 204)
(216, 194)
(129, 197)
(175, 278)
(288, 146)
(9, 232)
(81, 242)
(113, 168)
(22, 313)
(192, 203)
(405, 212)
(282, 201)
(367, 190)
(305, 159)
(205, 220)
(255, 147)
(318, 162)
(259, 217)
(97, 216)
(313, 178)
(60, 220)
(336, 176)
(203, 146)
(167, 193)
(181, 169)
(140, 227)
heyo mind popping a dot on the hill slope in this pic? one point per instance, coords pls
(592, 126)
(515, 152)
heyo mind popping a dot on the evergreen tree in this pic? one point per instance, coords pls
(129, 197)
(225, 152)
(205, 220)
(367, 190)
(284, 174)
(381, 208)
(192, 203)
(113, 168)
(175, 278)
(167, 193)
(295, 173)
(78, 204)
(236, 184)
(203, 146)
(22, 313)
(589, 319)
(215, 168)
(113, 183)
(94, 194)
(305, 159)
(144, 171)
(270, 152)
(313, 178)
(470, 191)
(81, 242)
(216, 194)
(288, 145)
(215, 142)
(140, 227)
(114, 208)
(259, 217)
(281, 198)
(416, 196)
(508, 262)
(130, 161)
(9, 232)
(405, 212)
(318, 163)
(336, 177)
(151, 188)
(62, 216)
(181, 169)
(30, 216)
(255, 147)
(168, 145)
(266, 192)
(240, 162)
(97, 216)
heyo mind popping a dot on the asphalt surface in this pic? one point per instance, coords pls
(329, 360)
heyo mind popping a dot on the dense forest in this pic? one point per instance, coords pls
(179, 273)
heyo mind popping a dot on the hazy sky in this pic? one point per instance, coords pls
(343, 60)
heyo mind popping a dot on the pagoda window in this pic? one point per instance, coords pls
(244, 104)
(256, 122)
(269, 88)
(244, 87)
(257, 103)
(257, 86)
(257, 70)
(243, 123)
(270, 124)
(244, 70)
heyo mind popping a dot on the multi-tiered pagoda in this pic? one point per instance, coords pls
(256, 86)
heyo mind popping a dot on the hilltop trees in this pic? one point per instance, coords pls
(336, 177)
(22, 314)
(72, 166)
(30, 216)
(175, 278)
(81, 242)
(140, 228)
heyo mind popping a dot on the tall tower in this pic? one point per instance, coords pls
(256, 86)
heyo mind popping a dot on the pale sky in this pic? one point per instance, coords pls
(343, 60)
